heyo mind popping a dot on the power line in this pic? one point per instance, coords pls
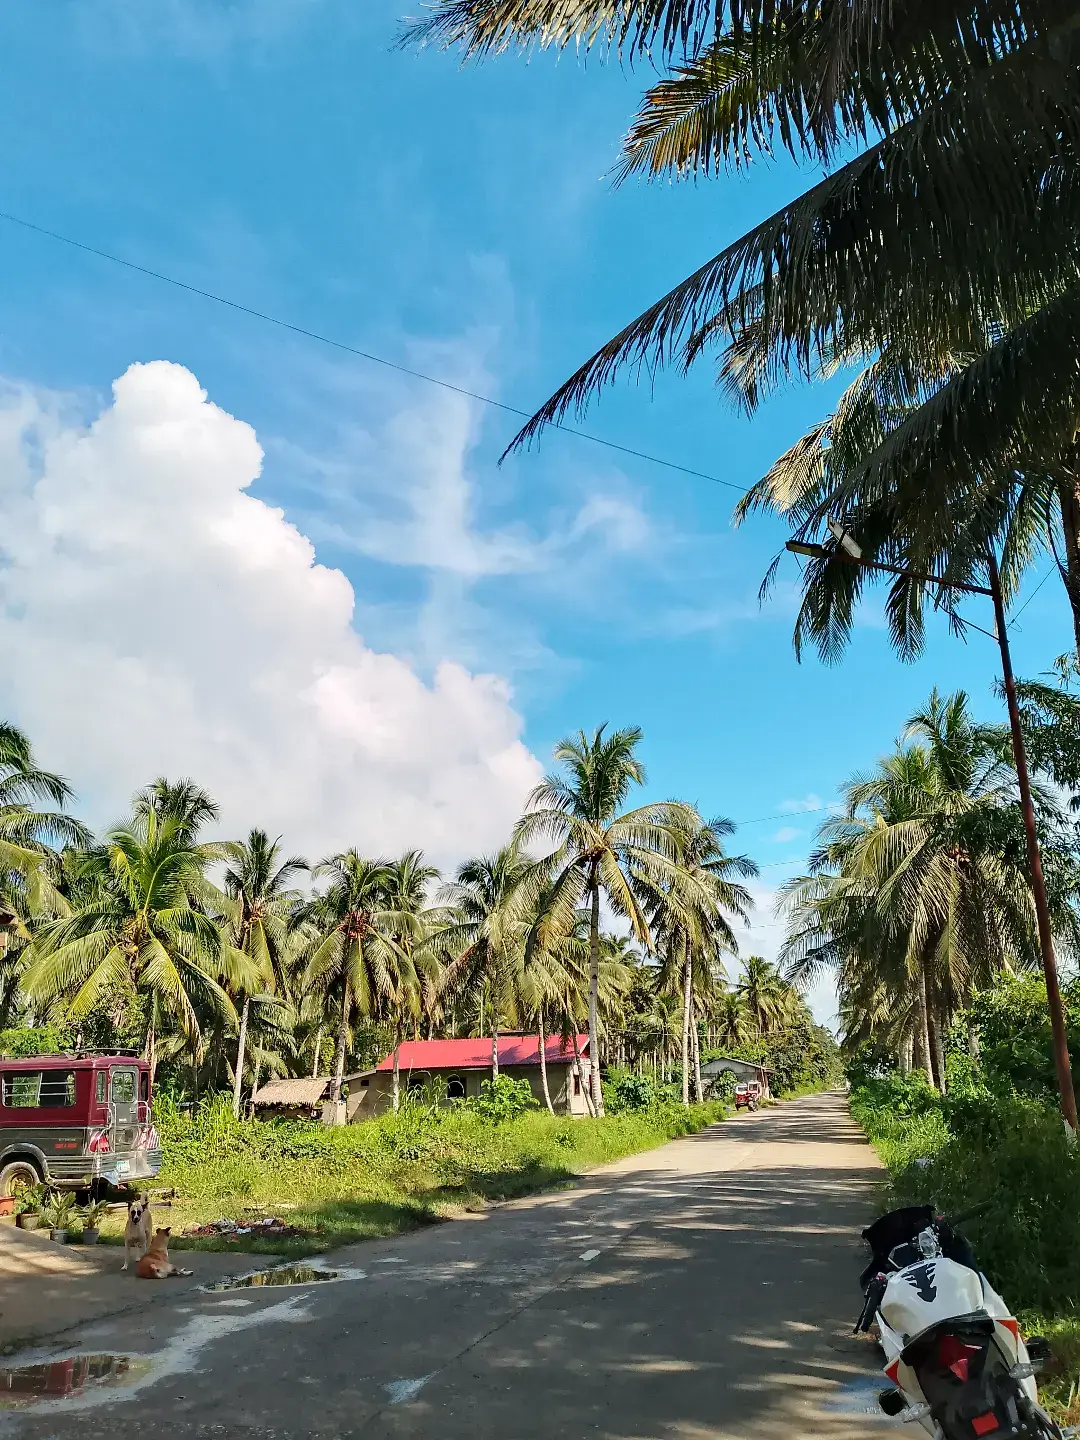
(783, 815)
(361, 354)
(1031, 597)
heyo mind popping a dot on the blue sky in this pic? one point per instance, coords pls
(462, 222)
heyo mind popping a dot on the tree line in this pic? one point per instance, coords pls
(230, 962)
(917, 896)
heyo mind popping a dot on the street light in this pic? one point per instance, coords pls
(850, 554)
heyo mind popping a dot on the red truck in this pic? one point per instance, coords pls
(71, 1120)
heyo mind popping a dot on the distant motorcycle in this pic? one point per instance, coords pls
(747, 1095)
(956, 1360)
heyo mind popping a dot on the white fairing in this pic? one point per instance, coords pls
(933, 1290)
(921, 1295)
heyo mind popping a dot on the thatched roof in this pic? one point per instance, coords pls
(292, 1092)
(300, 1092)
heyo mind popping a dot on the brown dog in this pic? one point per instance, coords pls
(138, 1229)
(155, 1264)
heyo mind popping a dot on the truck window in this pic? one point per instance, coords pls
(38, 1089)
(101, 1086)
(123, 1087)
(144, 1085)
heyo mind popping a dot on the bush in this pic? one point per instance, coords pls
(23, 1041)
(723, 1087)
(979, 1147)
(502, 1099)
(627, 1090)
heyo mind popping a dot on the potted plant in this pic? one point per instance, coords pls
(58, 1214)
(7, 1204)
(92, 1217)
(28, 1216)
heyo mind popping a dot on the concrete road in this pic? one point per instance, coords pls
(706, 1289)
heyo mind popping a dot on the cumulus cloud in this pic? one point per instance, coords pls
(157, 618)
(785, 835)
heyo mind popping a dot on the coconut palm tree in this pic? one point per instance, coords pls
(689, 913)
(764, 993)
(258, 924)
(355, 952)
(29, 836)
(732, 1022)
(599, 847)
(484, 931)
(966, 326)
(410, 881)
(134, 921)
(920, 889)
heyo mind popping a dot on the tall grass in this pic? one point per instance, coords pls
(386, 1175)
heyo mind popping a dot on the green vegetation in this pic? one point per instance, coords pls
(226, 963)
(348, 1183)
(994, 1138)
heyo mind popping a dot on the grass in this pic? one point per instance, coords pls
(383, 1177)
(1009, 1153)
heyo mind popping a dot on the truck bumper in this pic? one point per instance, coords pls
(75, 1171)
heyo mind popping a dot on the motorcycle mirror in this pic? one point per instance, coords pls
(892, 1401)
(1039, 1351)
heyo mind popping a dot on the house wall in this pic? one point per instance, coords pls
(741, 1069)
(376, 1097)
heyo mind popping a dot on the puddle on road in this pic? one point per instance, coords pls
(278, 1275)
(64, 1379)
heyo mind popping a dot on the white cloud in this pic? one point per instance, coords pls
(401, 487)
(800, 807)
(785, 835)
(158, 619)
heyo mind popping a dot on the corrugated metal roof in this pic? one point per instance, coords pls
(476, 1054)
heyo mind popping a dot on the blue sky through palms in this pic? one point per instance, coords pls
(463, 222)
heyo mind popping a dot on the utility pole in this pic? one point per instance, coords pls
(1062, 1063)
(849, 553)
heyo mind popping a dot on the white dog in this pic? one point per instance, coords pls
(139, 1229)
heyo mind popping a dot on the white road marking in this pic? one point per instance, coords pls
(391, 1260)
(401, 1390)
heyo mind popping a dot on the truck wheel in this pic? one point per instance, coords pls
(18, 1176)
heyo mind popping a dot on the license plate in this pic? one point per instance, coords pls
(123, 1167)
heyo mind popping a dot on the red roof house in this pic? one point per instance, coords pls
(463, 1065)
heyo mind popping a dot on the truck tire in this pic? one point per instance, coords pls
(18, 1175)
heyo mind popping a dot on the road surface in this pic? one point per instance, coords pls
(706, 1289)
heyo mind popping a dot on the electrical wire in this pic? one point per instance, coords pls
(361, 354)
(1031, 597)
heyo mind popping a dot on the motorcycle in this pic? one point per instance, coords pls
(956, 1360)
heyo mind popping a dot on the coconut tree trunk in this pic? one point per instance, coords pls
(342, 1043)
(973, 1041)
(255, 1080)
(922, 1027)
(594, 1000)
(687, 984)
(150, 1048)
(543, 1062)
(494, 1034)
(586, 1087)
(937, 1048)
(906, 1051)
(695, 1039)
(241, 1046)
(317, 1058)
